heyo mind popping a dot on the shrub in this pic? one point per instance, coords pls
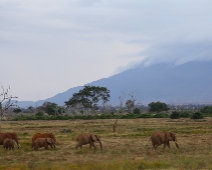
(186, 114)
(175, 115)
(197, 115)
(145, 116)
(136, 111)
(39, 114)
(207, 110)
(161, 115)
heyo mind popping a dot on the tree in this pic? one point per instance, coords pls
(6, 102)
(88, 97)
(121, 99)
(51, 108)
(207, 110)
(17, 110)
(131, 103)
(197, 115)
(136, 111)
(157, 107)
(175, 115)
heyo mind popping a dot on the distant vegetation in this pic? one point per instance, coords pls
(86, 104)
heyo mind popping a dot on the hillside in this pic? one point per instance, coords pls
(187, 83)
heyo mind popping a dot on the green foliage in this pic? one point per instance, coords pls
(130, 104)
(17, 110)
(145, 116)
(52, 108)
(207, 110)
(186, 114)
(196, 115)
(175, 115)
(136, 111)
(39, 114)
(157, 107)
(161, 115)
(89, 97)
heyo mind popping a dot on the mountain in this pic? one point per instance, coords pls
(190, 82)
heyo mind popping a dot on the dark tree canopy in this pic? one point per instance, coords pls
(89, 97)
(157, 107)
(130, 104)
(51, 108)
(16, 110)
(207, 110)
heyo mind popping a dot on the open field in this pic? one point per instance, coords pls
(124, 150)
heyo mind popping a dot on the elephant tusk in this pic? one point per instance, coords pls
(176, 144)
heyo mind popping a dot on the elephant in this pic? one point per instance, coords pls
(13, 136)
(43, 142)
(8, 143)
(88, 138)
(159, 138)
(42, 135)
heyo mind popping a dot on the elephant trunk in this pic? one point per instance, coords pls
(176, 144)
(16, 141)
(100, 143)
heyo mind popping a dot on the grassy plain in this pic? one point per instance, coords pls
(124, 150)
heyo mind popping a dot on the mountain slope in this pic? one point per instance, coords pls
(190, 82)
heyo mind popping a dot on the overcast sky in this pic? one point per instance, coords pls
(47, 47)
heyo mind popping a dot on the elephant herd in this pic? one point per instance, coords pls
(40, 140)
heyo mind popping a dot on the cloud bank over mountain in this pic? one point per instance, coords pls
(49, 46)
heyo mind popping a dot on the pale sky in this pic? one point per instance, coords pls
(50, 46)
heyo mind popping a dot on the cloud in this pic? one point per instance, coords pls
(47, 47)
(178, 53)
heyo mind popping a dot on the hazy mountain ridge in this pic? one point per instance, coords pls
(187, 83)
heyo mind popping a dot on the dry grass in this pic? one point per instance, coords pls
(124, 150)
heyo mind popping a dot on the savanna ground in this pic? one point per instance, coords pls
(124, 150)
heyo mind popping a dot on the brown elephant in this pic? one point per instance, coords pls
(8, 143)
(13, 136)
(88, 138)
(159, 138)
(42, 135)
(43, 142)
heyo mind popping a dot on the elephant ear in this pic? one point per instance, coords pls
(168, 135)
(49, 140)
(93, 137)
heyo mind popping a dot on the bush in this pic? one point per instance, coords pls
(161, 115)
(207, 110)
(186, 114)
(145, 116)
(175, 115)
(39, 114)
(197, 115)
(136, 111)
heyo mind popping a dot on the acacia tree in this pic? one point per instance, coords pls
(131, 103)
(89, 97)
(6, 101)
(157, 107)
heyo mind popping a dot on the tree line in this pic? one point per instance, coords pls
(86, 104)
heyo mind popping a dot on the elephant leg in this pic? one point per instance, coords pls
(168, 144)
(92, 144)
(46, 147)
(51, 145)
(35, 148)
